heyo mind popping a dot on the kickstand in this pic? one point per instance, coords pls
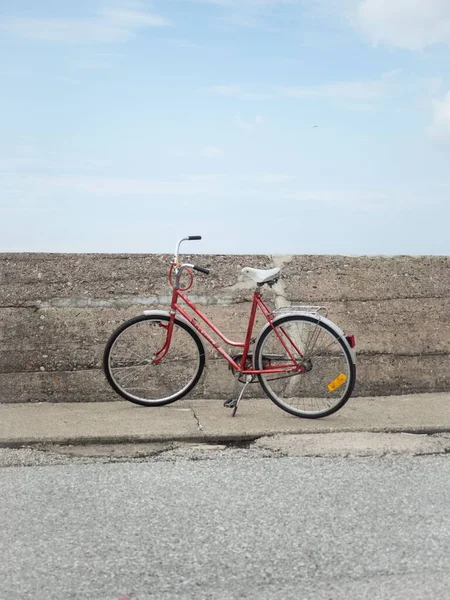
(234, 394)
(233, 414)
(235, 399)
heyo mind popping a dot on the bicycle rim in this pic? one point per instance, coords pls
(129, 361)
(328, 375)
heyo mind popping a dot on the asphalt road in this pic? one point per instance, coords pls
(225, 525)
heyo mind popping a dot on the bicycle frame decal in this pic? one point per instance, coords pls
(258, 303)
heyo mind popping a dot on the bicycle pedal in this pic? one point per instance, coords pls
(230, 403)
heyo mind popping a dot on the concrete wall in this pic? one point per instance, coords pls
(57, 311)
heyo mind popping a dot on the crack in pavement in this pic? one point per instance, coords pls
(199, 425)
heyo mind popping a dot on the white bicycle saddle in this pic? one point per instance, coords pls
(261, 275)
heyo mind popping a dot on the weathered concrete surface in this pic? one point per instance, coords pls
(356, 444)
(34, 279)
(58, 310)
(379, 278)
(420, 413)
(75, 386)
(209, 421)
(95, 422)
(326, 445)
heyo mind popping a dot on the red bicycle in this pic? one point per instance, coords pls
(303, 361)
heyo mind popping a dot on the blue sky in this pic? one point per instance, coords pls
(274, 126)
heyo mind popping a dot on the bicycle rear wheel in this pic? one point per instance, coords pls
(329, 372)
(129, 367)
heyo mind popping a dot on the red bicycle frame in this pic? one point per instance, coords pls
(258, 303)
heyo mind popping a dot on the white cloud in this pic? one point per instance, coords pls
(355, 94)
(90, 64)
(10, 164)
(248, 14)
(115, 24)
(133, 18)
(237, 91)
(209, 151)
(345, 199)
(354, 91)
(29, 156)
(249, 125)
(231, 90)
(409, 24)
(374, 201)
(182, 43)
(117, 186)
(203, 178)
(269, 178)
(245, 4)
(440, 127)
(212, 152)
(412, 24)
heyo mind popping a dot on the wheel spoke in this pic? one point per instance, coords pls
(130, 375)
(324, 358)
(129, 366)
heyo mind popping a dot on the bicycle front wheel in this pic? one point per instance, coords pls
(327, 372)
(129, 366)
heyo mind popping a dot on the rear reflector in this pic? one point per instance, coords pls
(351, 340)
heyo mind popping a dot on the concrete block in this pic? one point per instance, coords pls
(384, 375)
(62, 386)
(58, 310)
(406, 326)
(338, 278)
(76, 386)
(80, 279)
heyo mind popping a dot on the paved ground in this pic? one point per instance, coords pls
(328, 445)
(234, 525)
(208, 420)
(114, 501)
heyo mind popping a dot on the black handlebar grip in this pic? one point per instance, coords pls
(195, 237)
(202, 270)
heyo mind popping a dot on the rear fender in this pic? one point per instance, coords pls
(314, 317)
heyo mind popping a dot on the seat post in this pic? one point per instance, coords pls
(251, 323)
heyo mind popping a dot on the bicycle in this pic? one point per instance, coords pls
(304, 362)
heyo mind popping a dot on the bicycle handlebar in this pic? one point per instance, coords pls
(178, 271)
(185, 239)
(195, 268)
(201, 269)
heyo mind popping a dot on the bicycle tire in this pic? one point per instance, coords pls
(184, 340)
(336, 354)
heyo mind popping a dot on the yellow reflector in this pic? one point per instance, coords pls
(340, 380)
